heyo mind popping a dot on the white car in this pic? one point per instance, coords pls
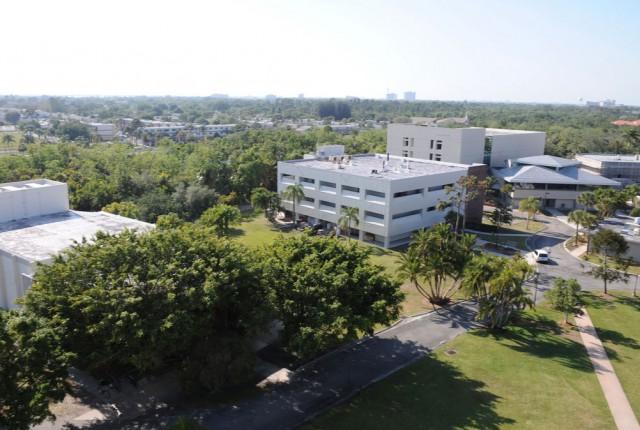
(541, 256)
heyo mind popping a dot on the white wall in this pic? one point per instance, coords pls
(12, 282)
(459, 145)
(510, 146)
(28, 199)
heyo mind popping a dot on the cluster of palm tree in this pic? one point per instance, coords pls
(583, 218)
(439, 262)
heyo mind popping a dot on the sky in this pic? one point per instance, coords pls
(490, 50)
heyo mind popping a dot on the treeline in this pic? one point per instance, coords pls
(182, 178)
(182, 299)
(570, 129)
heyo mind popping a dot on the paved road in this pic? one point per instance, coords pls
(563, 264)
(330, 379)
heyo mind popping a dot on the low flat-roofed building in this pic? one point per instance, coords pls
(395, 196)
(622, 168)
(555, 181)
(36, 224)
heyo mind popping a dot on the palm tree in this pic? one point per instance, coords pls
(531, 206)
(578, 218)
(7, 139)
(348, 214)
(587, 199)
(294, 193)
(589, 221)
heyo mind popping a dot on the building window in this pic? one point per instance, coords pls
(438, 157)
(308, 202)
(327, 206)
(373, 217)
(405, 153)
(371, 193)
(439, 187)
(439, 145)
(430, 156)
(407, 214)
(405, 141)
(327, 184)
(408, 193)
(350, 188)
(410, 153)
(412, 141)
(431, 146)
(288, 178)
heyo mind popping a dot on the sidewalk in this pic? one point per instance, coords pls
(331, 379)
(619, 405)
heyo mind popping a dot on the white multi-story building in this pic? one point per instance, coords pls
(410, 96)
(465, 145)
(104, 131)
(36, 224)
(395, 196)
(195, 131)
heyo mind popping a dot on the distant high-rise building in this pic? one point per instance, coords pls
(392, 96)
(301, 96)
(219, 96)
(270, 97)
(410, 96)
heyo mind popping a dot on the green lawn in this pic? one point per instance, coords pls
(519, 242)
(594, 258)
(534, 376)
(519, 225)
(617, 320)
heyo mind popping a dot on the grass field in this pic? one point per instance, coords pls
(533, 376)
(594, 258)
(519, 242)
(617, 321)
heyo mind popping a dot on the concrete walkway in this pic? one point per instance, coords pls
(333, 378)
(619, 405)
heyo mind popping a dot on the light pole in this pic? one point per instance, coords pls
(535, 285)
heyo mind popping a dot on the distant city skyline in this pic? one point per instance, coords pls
(523, 52)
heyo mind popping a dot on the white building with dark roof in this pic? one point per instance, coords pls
(395, 196)
(36, 224)
(555, 181)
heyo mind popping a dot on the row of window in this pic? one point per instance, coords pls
(369, 215)
(409, 141)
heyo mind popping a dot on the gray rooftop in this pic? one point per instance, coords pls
(542, 175)
(38, 238)
(548, 161)
(371, 165)
(612, 157)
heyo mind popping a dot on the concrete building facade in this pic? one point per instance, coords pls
(395, 196)
(622, 168)
(465, 145)
(36, 224)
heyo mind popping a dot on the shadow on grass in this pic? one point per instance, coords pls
(429, 394)
(540, 336)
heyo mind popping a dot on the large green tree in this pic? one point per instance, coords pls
(33, 370)
(146, 302)
(221, 218)
(611, 246)
(294, 193)
(327, 292)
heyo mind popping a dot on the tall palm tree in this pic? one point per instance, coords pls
(531, 206)
(294, 193)
(349, 214)
(587, 199)
(578, 218)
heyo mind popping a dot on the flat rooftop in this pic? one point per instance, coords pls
(629, 158)
(25, 185)
(506, 131)
(371, 166)
(39, 238)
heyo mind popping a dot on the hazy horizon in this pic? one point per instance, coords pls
(462, 50)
